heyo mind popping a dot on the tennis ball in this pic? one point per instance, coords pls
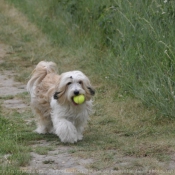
(79, 99)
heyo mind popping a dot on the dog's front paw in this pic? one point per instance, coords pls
(67, 136)
(66, 131)
(70, 138)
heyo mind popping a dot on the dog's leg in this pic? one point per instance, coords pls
(44, 124)
(65, 130)
(79, 133)
(79, 124)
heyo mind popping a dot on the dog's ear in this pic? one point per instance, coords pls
(91, 90)
(55, 96)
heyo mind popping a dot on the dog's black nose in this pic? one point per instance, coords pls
(76, 92)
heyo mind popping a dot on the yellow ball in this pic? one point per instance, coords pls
(79, 99)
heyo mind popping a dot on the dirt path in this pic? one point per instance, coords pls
(57, 161)
(8, 87)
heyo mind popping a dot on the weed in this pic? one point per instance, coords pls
(43, 150)
(48, 161)
(7, 97)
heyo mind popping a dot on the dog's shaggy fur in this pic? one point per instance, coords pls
(52, 101)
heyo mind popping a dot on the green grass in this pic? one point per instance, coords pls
(119, 48)
(12, 142)
(131, 43)
(43, 150)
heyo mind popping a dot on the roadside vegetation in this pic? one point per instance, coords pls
(127, 50)
(130, 43)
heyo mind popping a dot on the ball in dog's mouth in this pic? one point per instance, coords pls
(78, 99)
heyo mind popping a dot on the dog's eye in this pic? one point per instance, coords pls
(80, 82)
(69, 83)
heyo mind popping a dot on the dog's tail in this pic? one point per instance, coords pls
(38, 74)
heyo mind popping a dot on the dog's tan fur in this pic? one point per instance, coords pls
(51, 93)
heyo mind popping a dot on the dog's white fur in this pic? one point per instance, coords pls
(51, 100)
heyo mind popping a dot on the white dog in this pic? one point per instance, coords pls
(52, 101)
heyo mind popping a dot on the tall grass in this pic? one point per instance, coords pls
(129, 42)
